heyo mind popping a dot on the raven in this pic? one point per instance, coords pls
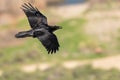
(40, 28)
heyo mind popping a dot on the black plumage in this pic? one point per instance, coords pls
(40, 28)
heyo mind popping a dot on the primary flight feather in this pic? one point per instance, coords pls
(40, 28)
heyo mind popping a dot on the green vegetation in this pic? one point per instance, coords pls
(73, 40)
(75, 45)
(60, 73)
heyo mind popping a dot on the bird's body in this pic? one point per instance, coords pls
(40, 29)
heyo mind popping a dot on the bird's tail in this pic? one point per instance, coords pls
(23, 34)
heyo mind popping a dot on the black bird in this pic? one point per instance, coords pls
(40, 28)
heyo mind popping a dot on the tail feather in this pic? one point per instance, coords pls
(22, 34)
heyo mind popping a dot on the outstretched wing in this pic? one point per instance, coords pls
(50, 42)
(34, 16)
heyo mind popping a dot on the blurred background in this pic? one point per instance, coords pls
(89, 40)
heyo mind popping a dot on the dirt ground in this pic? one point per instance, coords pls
(103, 63)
